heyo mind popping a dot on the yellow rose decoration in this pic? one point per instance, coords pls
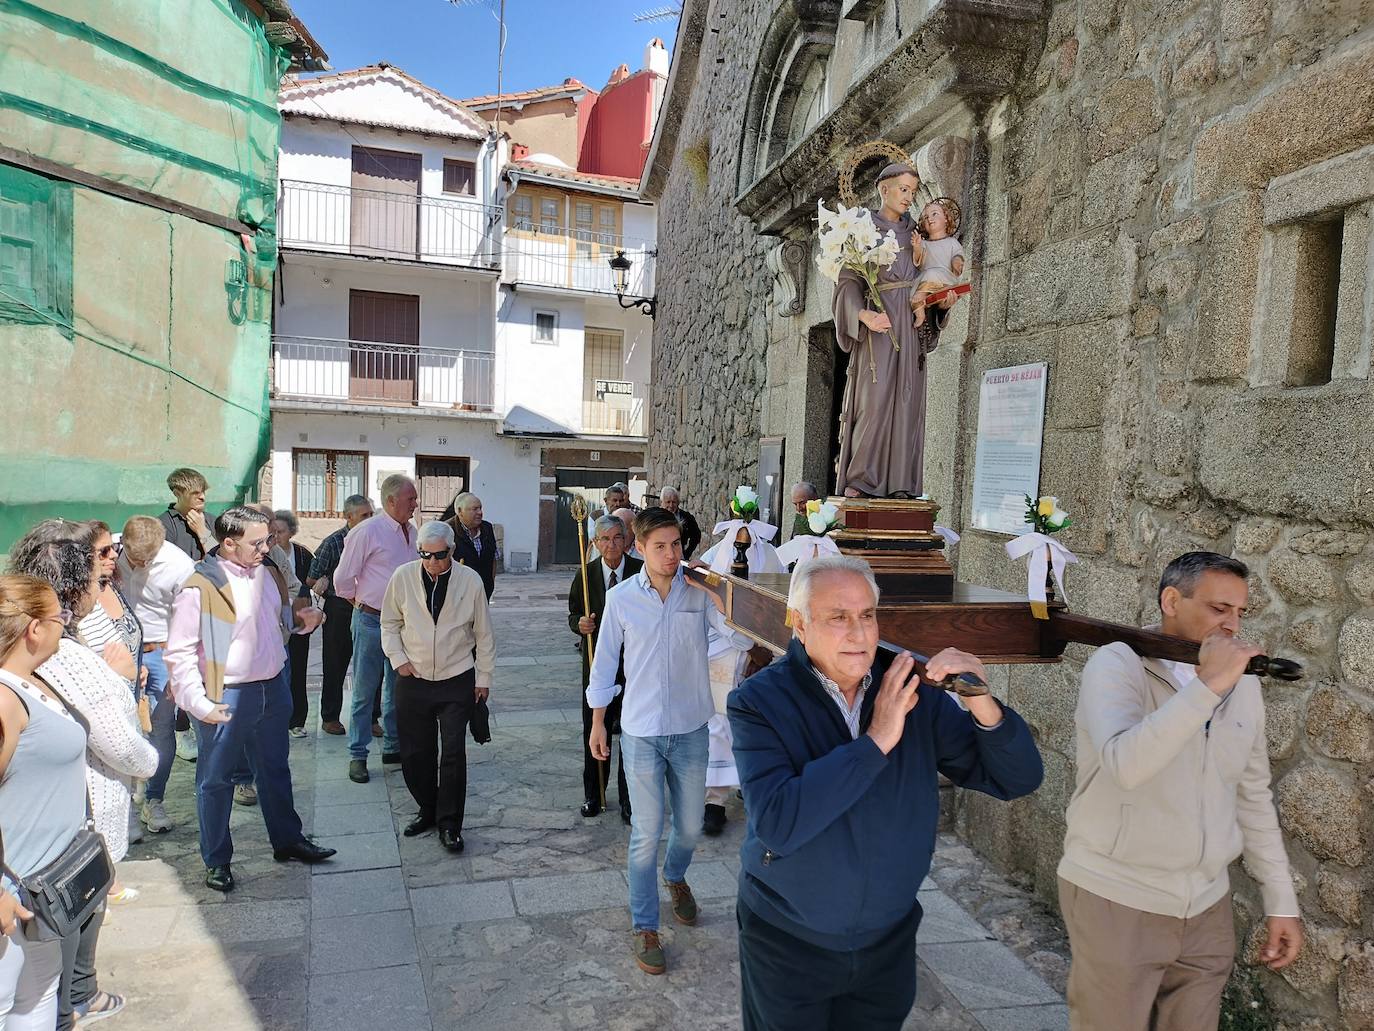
(1047, 506)
(813, 506)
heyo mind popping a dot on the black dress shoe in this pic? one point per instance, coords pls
(713, 821)
(590, 808)
(450, 839)
(357, 771)
(391, 758)
(419, 825)
(304, 850)
(220, 878)
(625, 815)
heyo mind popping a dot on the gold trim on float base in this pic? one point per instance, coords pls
(885, 504)
(884, 535)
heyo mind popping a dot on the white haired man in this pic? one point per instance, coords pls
(372, 552)
(436, 633)
(838, 777)
(671, 499)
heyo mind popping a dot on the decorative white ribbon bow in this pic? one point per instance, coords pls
(803, 548)
(951, 538)
(1046, 554)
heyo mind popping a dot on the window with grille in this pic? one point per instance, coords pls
(460, 177)
(323, 480)
(550, 217)
(609, 224)
(522, 211)
(585, 228)
(545, 326)
(35, 248)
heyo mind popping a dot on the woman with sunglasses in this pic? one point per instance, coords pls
(111, 629)
(117, 752)
(42, 793)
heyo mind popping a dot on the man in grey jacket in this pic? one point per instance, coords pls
(1173, 785)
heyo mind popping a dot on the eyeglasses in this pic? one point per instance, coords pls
(607, 540)
(112, 550)
(428, 556)
(64, 616)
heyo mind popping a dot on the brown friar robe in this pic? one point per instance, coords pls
(882, 424)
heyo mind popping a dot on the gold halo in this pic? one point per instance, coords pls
(858, 156)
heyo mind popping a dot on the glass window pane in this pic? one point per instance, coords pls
(348, 478)
(310, 481)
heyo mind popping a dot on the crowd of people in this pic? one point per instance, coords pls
(107, 640)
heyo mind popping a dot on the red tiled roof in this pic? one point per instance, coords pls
(540, 93)
(571, 175)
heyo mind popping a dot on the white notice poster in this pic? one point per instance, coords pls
(1011, 426)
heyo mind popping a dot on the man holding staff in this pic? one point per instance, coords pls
(586, 603)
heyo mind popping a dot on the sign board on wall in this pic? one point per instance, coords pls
(1011, 429)
(617, 393)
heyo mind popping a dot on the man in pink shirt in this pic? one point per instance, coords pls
(373, 550)
(226, 658)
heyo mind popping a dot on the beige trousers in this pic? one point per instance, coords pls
(1138, 971)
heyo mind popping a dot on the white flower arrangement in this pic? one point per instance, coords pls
(1045, 516)
(745, 503)
(849, 240)
(822, 516)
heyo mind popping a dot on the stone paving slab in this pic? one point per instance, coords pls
(359, 852)
(528, 718)
(358, 818)
(370, 941)
(986, 975)
(570, 893)
(391, 999)
(357, 892)
(462, 903)
(943, 920)
(345, 792)
(1051, 1017)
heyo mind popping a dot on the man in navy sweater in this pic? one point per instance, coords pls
(838, 760)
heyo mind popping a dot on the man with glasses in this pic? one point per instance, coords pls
(436, 632)
(604, 573)
(227, 660)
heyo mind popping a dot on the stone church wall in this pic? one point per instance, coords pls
(1178, 196)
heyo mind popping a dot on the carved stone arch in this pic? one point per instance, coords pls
(801, 33)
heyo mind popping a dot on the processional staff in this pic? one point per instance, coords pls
(579, 513)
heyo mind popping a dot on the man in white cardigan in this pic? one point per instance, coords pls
(436, 631)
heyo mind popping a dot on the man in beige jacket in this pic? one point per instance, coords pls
(1173, 785)
(436, 631)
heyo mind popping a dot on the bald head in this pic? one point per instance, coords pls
(627, 516)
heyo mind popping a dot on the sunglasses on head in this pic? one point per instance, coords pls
(435, 554)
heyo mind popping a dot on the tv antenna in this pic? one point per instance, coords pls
(498, 11)
(661, 13)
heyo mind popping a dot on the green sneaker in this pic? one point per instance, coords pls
(684, 905)
(648, 951)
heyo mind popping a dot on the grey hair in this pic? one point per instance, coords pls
(1185, 571)
(462, 500)
(354, 502)
(232, 522)
(392, 485)
(663, 494)
(606, 523)
(804, 578)
(435, 531)
(617, 488)
(289, 518)
(54, 552)
(810, 488)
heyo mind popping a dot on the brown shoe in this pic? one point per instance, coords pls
(648, 951)
(684, 905)
(376, 729)
(333, 727)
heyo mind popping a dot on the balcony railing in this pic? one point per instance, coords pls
(445, 230)
(577, 261)
(615, 419)
(364, 372)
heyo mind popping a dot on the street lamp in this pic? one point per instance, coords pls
(620, 268)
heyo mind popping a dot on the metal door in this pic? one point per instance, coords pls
(588, 484)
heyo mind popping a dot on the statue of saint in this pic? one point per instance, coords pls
(882, 423)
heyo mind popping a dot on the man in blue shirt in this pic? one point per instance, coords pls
(839, 757)
(661, 619)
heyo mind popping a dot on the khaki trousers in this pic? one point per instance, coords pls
(1138, 971)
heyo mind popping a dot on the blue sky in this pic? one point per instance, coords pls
(453, 48)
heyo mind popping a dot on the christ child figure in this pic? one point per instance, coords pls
(942, 257)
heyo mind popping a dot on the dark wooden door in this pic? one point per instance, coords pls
(440, 480)
(385, 202)
(385, 369)
(588, 484)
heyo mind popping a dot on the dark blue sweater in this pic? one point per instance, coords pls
(840, 835)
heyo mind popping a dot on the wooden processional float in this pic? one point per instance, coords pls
(923, 609)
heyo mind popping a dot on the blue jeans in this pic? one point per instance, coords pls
(677, 762)
(259, 714)
(163, 714)
(371, 670)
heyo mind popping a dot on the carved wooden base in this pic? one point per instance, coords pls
(897, 539)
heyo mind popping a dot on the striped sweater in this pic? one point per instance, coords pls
(217, 618)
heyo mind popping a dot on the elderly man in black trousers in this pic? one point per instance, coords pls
(612, 568)
(476, 539)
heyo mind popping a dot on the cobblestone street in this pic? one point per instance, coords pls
(526, 929)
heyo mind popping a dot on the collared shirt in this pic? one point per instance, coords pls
(376, 548)
(152, 588)
(256, 650)
(850, 713)
(619, 572)
(327, 557)
(180, 534)
(436, 590)
(667, 677)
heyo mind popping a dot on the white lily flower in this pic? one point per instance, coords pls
(817, 522)
(824, 215)
(746, 495)
(829, 511)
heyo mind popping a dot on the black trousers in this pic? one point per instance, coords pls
(595, 778)
(431, 727)
(787, 984)
(298, 652)
(337, 642)
(78, 984)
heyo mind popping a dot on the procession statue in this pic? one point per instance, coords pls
(896, 279)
